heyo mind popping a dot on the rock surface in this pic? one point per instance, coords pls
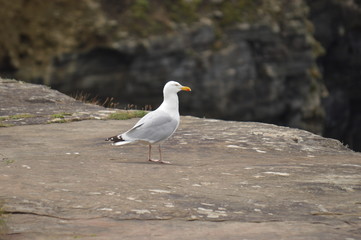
(227, 180)
(23, 103)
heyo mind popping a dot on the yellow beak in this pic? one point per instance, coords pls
(188, 89)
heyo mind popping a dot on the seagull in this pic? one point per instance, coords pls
(156, 126)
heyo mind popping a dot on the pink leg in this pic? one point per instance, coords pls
(160, 155)
(150, 155)
(150, 152)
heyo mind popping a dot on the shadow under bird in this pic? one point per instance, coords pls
(158, 125)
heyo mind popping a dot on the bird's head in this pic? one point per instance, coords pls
(173, 86)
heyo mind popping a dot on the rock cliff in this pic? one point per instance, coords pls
(247, 60)
(338, 29)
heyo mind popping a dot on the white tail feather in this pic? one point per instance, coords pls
(121, 143)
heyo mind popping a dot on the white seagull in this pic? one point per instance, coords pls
(157, 125)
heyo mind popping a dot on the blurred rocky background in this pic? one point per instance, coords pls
(289, 62)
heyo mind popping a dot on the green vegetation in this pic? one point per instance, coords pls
(60, 115)
(20, 116)
(238, 11)
(8, 161)
(5, 125)
(13, 117)
(142, 18)
(181, 11)
(140, 9)
(124, 115)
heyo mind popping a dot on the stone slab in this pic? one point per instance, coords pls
(23, 104)
(227, 180)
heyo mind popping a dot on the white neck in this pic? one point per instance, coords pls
(170, 103)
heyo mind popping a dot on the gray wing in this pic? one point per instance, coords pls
(154, 127)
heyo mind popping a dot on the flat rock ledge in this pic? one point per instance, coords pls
(227, 180)
(23, 104)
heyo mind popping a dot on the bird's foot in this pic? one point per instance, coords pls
(158, 161)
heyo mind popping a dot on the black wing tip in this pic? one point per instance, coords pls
(115, 139)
